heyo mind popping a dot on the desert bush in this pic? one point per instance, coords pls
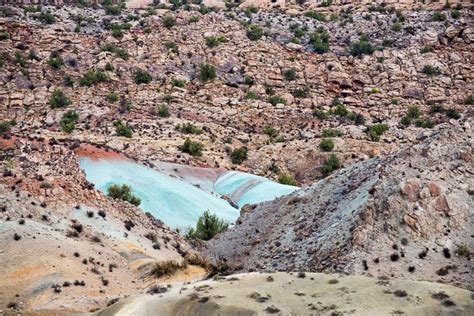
(188, 128)
(207, 226)
(59, 99)
(112, 97)
(169, 21)
(332, 132)
(301, 92)
(92, 77)
(330, 164)
(5, 127)
(142, 76)
(254, 32)
(123, 192)
(397, 27)
(163, 111)
(122, 129)
(113, 9)
(180, 83)
(431, 70)
(46, 17)
(426, 49)
(287, 180)
(453, 113)
(290, 74)
(275, 99)
(164, 268)
(55, 60)
(68, 121)
(438, 16)
(319, 40)
(361, 47)
(214, 41)
(376, 130)
(270, 131)
(238, 155)
(251, 95)
(207, 72)
(326, 144)
(315, 15)
(192, 147)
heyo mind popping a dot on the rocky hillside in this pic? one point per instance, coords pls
(281, 82)
(408, 215)
(64, 245)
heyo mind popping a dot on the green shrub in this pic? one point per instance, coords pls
(270, 131)
(109, 67)
(251, 95)
(358, 118)
(123, 129)
(213, 41)
(189, 128)
(320, 114)
(5, 127)
(405, 120)
(238, 155)
(326, 144)
(207, 72)
(413, 112)
(117, 33)
(163, 111)
(119, 52)
(68, 81)
(248, 80)
(59, 99)
(178, 82)
(68, 121)
(4, 35)
(290, 74)
(92, 77)
(376, 130)
(171, 46)
(469, 100)
(250, 10)
(455, 14)
(438, 17)
(142, 76)
(319, 40)
(340, 110)
(315, 15)
(254, 32)
(112, 97)
(431, 71)
(275, 99)
(192, 147)
(31, 9)
(55, 60)
(169, 21)
(397, 27)
(301, 92)
(332, 132)
(424, 123)
(207, 226)
(123, 192)
(20, 60)
(437, 108)
(361, 47)
(453, 113)
(426, 49)
(287, 180)
(330, 164)
(46, 17)
(194, 19)
(113, 10)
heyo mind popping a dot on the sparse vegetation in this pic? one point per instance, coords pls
(207, 226)
(330, 164)
(238, 155)
(326, 144)
(169, 21)
(287, 179)
(123, 192)
(92, 77)
(192, 147)
(122, 129)
(254, 32)
(207, 72)
(164, 268)
(142, 77)
(68, 121)
(376, 130)
(59, 99)
(361, 47)
(431, 70)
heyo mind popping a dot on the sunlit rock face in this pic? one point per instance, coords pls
(178, 196)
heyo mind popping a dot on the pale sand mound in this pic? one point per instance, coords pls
(292, 294)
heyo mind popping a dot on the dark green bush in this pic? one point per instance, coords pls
(319, 40)
(214, 41)
(275, 99)
(424, 123)
(413, 112)
(326, 145)
(469, 100)
(207, 72)
(113, 10)
(438, 16)
(254, 32)
(46, 17)
(92, 77)
(301, 92)
(189, 128)
(361, 47)
(397, 27)
(315, 15)
(431, 70)
(163, 111)
(207, 226)
(5, 127)
(59, 99)
(453, 113)
(142, 76)
(270, 131)
(68, 121)
(251, 95)
(238, 155)
(112, 97)
(171, 46)
(176, 82)
(191, 147)
(290, 74)
(330, 164)
(123, 192)
(376, 130)
(426, 49)
(331, 132)
(55, 60)
(169, 21)
(287, 180)
(123, 129)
